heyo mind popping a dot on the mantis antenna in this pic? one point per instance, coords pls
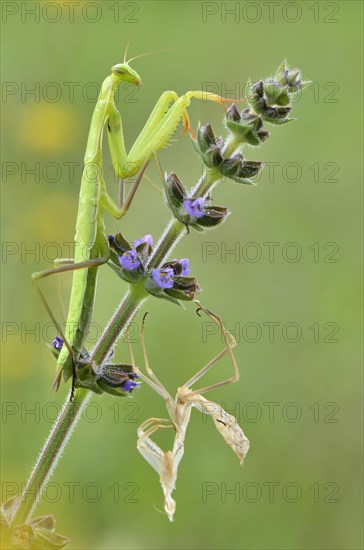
(151, 53)
(127, 47)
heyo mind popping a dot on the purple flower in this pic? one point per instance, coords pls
(129, 260)
(147, 239)
(185, 263)
(163, 277)
(57, 343)
(129, 385)
(194, 207)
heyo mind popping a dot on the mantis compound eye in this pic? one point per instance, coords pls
(118, 69)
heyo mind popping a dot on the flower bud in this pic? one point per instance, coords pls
(276, 94)
(117, 380)
(205, 137)
(265, 96)
(180, 267)
(57, 343)
(232, 113)
(230, 165)
(240, 170)
(291, 78)
(118, 243)
(56, 346)
(214, 215)
(184, 288)
(248, 169)
(245, 127)
(208, 146)
(213, 157)
(175, 190)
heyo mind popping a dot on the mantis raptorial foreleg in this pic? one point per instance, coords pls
(157, 132)
(166, 462)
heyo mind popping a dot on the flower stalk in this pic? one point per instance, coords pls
(118, 324)
(50, 454)
(270, 101)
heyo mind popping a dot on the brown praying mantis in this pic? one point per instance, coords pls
(166, 463)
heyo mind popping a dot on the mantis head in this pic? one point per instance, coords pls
(124, 72)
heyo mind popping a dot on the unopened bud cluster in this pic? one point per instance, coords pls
(212, 151)
(269, 101)
(272, 99)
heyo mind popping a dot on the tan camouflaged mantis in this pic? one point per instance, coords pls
(166, 463)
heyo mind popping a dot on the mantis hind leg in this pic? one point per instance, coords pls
(70, 266)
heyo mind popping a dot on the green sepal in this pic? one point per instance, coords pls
(240, 170)
(8, 509)
(276, 94)
(249, 169)
(158, 292)
(205, 138)
(245, 127)
(113, 376)
(37, 538)
(116, 392)
(87, 378)
(175, 194)
(120, 244)
(54, 352)
(291, 78)
(264, 105)
(143, 250)
(208, 147)
(129, 276)
(184, 288)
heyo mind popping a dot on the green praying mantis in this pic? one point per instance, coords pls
(91, 244)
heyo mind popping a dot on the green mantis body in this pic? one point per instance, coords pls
(91, 245)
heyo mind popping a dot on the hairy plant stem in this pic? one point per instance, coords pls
(118, 324)
(50, 454)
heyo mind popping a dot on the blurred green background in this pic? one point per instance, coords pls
(299, 402)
